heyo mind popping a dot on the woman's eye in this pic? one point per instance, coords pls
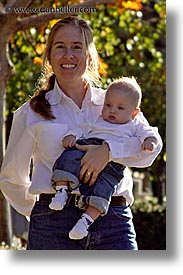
(77, 48)
(59, 47)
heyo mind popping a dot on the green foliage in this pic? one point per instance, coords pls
(22, 83)
(150, 224)
(148, 205)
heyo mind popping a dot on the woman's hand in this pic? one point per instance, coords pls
(93, 162)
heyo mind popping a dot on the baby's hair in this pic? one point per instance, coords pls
(128, 85)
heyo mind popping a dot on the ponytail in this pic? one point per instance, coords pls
(40, 104)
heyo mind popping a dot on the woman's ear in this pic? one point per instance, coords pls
(137, 110)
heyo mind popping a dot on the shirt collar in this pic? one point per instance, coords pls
(54, 96)
(94, 95)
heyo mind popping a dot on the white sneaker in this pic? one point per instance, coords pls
(59, 200)
(80, 230)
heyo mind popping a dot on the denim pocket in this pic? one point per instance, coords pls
(123, 212)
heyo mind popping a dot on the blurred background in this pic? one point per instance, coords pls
(131, 40)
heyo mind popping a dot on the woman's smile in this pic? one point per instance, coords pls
(68, 66)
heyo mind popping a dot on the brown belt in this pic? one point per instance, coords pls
(73, 199)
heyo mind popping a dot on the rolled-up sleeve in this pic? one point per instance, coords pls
(15, 170)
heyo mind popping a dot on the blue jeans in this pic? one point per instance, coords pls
(67, 167)
(49, 229)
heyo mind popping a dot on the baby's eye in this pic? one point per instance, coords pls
(120, 108)
(108, 105)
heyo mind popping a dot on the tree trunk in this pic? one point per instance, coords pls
(5, 217)
(5, 73)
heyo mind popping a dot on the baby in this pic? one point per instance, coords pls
(120, 118)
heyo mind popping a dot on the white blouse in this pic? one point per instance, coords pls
(34, 138)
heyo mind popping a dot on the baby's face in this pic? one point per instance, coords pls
(118, 107)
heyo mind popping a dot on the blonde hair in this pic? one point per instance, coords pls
(47, 79)
(128, 85)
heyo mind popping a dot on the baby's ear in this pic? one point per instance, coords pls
(137, 110)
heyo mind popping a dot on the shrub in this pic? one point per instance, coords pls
(150, 224)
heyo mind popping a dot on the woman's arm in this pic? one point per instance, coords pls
(15, 170)
(97, 157)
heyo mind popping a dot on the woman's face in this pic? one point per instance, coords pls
(68, 55)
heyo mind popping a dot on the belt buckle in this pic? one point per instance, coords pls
(76, 200)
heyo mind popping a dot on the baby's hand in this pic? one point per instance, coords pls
(148, 145)
(69, 141)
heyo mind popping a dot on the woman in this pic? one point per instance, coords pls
(67, 98)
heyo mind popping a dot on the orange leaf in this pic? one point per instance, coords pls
(132, 5)
(40, 48)
(38, 61)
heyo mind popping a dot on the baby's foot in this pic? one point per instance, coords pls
(80, 230)
(59, 200)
